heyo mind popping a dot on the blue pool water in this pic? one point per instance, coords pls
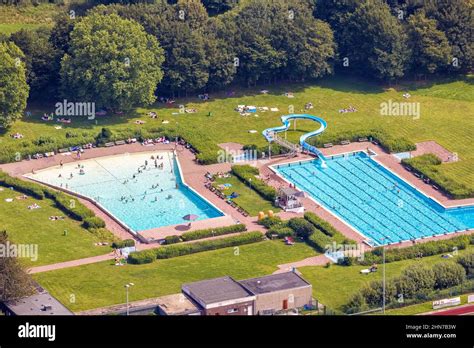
(374, 201)
(108, 179)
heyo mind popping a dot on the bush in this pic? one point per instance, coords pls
(69, 205)
(22, 186)
(93, 222)
(248, 174)
(126, 243)
(319, 241)
(302, 228)
(422, 249)
(427, 165)
(467, 262)
(448, 274)
(191, 248)
(280, 232)
(269, 222)
(211, 232)
(172, 239)
(415, 279)
(142, 257)
(327, 228)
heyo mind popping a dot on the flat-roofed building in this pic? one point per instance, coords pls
(42, 303)
(221, 296)
(279, 292)
(177, 304)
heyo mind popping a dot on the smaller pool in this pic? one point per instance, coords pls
(142, 190)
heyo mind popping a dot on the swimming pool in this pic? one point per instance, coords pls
(374, 201)
(154, 197)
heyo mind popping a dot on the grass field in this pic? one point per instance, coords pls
(26, 226)
(447, 111)
(14, 18)
(248, 199)
(335, 285)
(101, 284)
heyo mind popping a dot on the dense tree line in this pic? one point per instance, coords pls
(183, 46)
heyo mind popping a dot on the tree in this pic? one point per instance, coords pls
(193, 13)
(430, 50)
(111, 61)
(415, 280)
(42, 61)
(61, 32)
(373, 41)
(302, 227)
(456, 19)
(13, 87)
(215, 7)
(448, 274)
(467, 261)
(14, 281)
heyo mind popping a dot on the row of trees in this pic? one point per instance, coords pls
(117, 55)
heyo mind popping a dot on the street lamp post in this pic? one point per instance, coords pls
(127, 286)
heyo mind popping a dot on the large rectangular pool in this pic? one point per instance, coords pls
(373, 200)
(133, 188)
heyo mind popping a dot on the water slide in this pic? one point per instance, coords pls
(270, 133)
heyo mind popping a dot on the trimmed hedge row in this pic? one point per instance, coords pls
(93, 222)
(69, 205)
(270, 221)
(422, 249)
(319, 241)
(386, 141)
(280, 232)
(22, 186)
(173, 239)
(247, 174)
(123, 244)
(148, 256)
(327, 228)
(212, 232)
(428, 166)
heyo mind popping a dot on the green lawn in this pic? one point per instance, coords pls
(101, 284)
(26, 226)
(335, 285)
(8, 28)
(446, 110)
(248, 199)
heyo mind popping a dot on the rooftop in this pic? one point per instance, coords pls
(274, 282)
(176, 304)
(38, 304)
(215, 290)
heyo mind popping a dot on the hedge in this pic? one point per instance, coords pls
(123, 244)
(211, 232)
(248, 174)
(327, 228)
(22, 186)
(280, 232)
(191, 248)
(69, 205)
(319, 241)
(270, 221)
(386, 141)
(417, 250)
(428, 166)
(93, 222)
(173, 239)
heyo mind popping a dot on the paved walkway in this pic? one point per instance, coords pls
(73, 263)
(318, 260)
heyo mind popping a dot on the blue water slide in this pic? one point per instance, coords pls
(270, 132)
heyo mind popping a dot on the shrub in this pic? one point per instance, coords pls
(302, 228)
(448, 274)
(69, 205)
(415, 279)
(172, 239)
(22, 186)
(319, 241)
(142, 257)
(422, 249)
(191, 248)
(93, 222)
(103, 234)
(280, 232)
(248, 174)
(123, 244)
(269, 222)
(211, 232)
(327, 228)
(467, 262)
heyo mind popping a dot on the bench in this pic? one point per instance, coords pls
(327, 145)
(120, 142)
(63, 150)
(345, 142)
(109, 144)
(361, 140)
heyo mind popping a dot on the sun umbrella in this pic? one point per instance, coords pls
(190, 217)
